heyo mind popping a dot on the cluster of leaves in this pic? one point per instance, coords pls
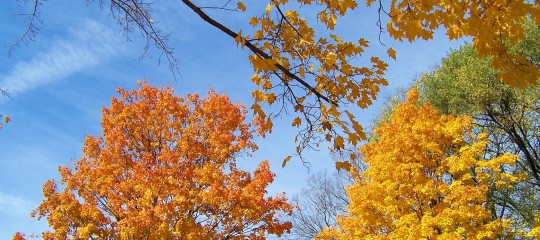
(314, 70)
(165, 168)
(426, 179)
(310, 69)
(509, 115)
(490, 24)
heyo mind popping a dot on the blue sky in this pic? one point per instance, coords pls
(60, 81)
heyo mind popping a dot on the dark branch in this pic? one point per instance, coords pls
(141, 17)
(31, 28)
(256, 50)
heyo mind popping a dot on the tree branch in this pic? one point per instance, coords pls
(256, 50)
(31, 28)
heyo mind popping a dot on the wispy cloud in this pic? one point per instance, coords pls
(84, 47)
(14, 205)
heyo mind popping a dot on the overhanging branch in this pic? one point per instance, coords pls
(256, 50)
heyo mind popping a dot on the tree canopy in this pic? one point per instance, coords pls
(426, 178)
(509, 115)
(165, 168)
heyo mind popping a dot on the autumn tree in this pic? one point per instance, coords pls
(427, 178)
(301, 62)
(510, 116)
(165, 168)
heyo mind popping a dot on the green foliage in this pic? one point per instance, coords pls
(510, 116)
(466, 84)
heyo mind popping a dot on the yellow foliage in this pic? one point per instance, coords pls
(426, 180)
(318, 64)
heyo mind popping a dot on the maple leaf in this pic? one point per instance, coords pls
(391, 53)
(241, 6)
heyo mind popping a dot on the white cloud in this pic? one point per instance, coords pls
(83, 47)
(15, 206)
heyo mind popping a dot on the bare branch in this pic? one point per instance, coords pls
(31, 28)
(135, 11)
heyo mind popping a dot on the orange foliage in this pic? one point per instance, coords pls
(426, 180)
(165, 168)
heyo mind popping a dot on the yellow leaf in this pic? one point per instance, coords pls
(391, 53)
(7, 119)
(270, 98)
(253, 21)
(343, 165)
(331, 58)
(302, 72)
(328, 137)
(267, 85)
(363, 42)
(268, 124)
(255, 79)
(241, 6)
(299, 108)
(258, 95)
(238, 38)
(287, 159)
(268, 8)
(354, 138)
(257, 110)
(338, 143)
(296, 122)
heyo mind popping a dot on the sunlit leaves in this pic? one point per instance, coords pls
(165, 168)
(490, 24)
(303, 62)
(426, 179)
(312, 70)
(296, 53)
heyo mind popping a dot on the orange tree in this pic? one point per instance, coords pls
(165, 168)
(426, 179)
(300, 61)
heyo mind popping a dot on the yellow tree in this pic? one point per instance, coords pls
(165, 168)
(300, 61)
(426, 179)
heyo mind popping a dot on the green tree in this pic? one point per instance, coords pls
(510, 116)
